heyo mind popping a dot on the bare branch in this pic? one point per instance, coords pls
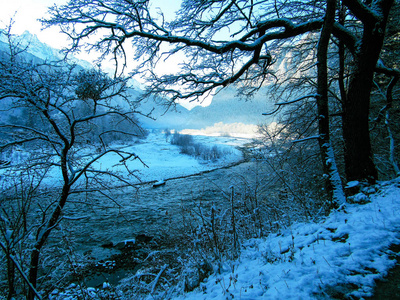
(316, 137)
(298, 99)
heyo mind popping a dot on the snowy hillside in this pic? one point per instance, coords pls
(40, 50)
(339, 258)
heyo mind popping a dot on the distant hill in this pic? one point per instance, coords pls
(39, 50)
(225, 107)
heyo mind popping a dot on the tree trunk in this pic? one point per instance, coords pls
(392, 146)
(10, 275)
(33, 272)
(358, 153)
(333, 185)
(42, 238)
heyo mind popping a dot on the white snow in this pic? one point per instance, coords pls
(339, 257)
(352, 184)
(163, 160)
(311, 260)
(343, 254)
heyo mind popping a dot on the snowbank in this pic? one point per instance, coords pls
(162, 160)
(338, 257)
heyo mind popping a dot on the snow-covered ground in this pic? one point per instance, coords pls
(164, 161)
(342, 255)
(338, 258)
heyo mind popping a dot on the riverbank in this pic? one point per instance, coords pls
(164, 161)
(340, 257)
(164, 214)
(155, 160)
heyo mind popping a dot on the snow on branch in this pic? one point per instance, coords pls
(306, 139)
(193, 38)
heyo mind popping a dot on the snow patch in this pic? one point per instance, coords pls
(342, 255)
(352, 184)
(162, 160)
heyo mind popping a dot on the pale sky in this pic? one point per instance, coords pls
(25, 14)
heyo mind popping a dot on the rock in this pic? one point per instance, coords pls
(194, 276)
(368, 190)
(125, 244)
(139, 239)
(352, 187)
(106, 286)
(159, 183)
(359, 198)
(352, 184)
(142, 239)
(108, 245)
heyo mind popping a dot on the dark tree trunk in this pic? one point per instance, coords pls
(11, 276)
(358, 152)
(33, 272)
(333, 183)
(42, 237)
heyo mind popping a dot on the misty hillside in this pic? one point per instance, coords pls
(226, 106)
(37, 51)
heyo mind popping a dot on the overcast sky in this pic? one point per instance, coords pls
(26, 13)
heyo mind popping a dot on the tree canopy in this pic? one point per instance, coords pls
(237, 41)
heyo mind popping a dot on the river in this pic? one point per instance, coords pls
(154, 211)
(92, 225)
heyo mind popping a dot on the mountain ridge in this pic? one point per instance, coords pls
(226, 106)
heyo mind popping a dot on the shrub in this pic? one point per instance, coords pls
(189, 147)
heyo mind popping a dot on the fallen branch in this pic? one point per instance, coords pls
(158, 278)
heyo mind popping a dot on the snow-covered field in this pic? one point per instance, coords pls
(341, 255)
(164, 161)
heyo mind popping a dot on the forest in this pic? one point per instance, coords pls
(329, 68)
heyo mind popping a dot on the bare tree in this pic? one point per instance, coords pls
(328, 157)
(227, 42)
(53, 140)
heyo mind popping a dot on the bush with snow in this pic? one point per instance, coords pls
(189, 147)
